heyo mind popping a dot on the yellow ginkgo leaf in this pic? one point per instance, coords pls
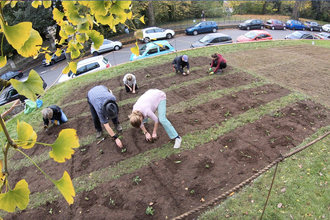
(69, 29)
(47, 4)
(90, 19)
(96, 37)
(3, 61)
(36, 4)
(26, 135)
(32, 86)
(75, 18)
(1, 175)
(18, 34)
(48, 58)
(135, 50)
(66, 187)
(62, 147)
(138, 34)
(98, 8)
(142, 19)
(19, 197)
(83, 28)
(75, 54)
(106, 20)
(73, 66)
(57, 15)
(66, 69)
(58, 52)
(32, 45)
(119, 7)
(81, 38)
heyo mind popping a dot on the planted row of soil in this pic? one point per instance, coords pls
(184, 181)
(94, 157)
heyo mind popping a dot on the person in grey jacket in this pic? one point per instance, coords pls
(129, 81)
(179, 63)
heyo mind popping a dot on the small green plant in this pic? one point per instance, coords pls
(123, 150)
(192, 191)
(229, 140)
(86, 198)
(255, 93)
(137, 179)
(51, 211)
(173, 82)
(148, 75)
(278, 126)
(245, 155)
(178, 161)
(82, 150)
(307, 108)
(278, 114)
(227, 114)
(234, 96)
(207, 166)
(196, 120)
(311, 123)
(272, 140)
(291, 129)
(288, 138)
(112, 202)
(267, 132)
(242, 108)
(150, 211)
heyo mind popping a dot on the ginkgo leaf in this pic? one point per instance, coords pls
(3, 61)
(19, 197)
(58, 52)
(66, 69)
(69, 29)
(66, 187)
(97, 7)
(122, 17)
(90, 19)
(36, 4)
(69, 6)
(75, 18)
(32, 45)
(83, 28)
(18, 34)
(119, 6)
(138, 34)
(32, 86)
(1, 129)
(142, 19)
(47, 4)
(26, 136)
(81, 38)
(13, 3)
(57, 15)
(96, 37)
(48, 57)
(135, 50)
(75, 54)
(63, 35)
(104, 19)
(62, 147)
(1, 175)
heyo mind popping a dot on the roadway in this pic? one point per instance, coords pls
(180, 42)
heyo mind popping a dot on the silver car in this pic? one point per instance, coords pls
(107, 45)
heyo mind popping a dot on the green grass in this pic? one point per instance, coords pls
(288, 170)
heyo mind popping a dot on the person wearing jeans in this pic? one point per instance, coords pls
(103, 106)
(145, 107)
(54, 114)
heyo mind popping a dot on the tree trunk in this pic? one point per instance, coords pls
(296, 10)
(151, 15)
(264, 8)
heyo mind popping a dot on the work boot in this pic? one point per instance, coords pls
(118, 127)
(99, 134)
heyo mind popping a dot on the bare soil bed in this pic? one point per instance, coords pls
(183, 181)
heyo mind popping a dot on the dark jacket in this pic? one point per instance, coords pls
(56, 114)
(180, 63)
(219, 60)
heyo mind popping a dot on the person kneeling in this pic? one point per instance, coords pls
(218, 62)
(54, 114)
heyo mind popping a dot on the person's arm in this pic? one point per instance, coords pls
(188, 67)
(154, 133)
(148, 136)
(133, 88)
(46, 121)
(218, 65)
(113, 135)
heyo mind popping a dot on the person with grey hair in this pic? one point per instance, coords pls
(129, 81)
(54, 114)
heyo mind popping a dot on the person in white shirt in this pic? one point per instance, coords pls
(130, 83)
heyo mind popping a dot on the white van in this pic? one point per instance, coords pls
(88, 65)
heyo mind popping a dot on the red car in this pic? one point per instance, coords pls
(257, 35)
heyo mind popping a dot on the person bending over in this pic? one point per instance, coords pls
(218, 62)
(54, 114)
(130, 83)
(179, 63)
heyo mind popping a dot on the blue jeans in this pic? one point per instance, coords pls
(63, 119)
(170, 130)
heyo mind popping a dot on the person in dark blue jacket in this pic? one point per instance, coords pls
(179, 63)
(54, 114)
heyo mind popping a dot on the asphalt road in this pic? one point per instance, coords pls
(180, 42)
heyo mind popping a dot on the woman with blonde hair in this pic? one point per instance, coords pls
(54, 114)
(130, 83)
(145, 107)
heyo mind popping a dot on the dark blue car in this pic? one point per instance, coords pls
(299, 35)
(295, 25)
(202, 27)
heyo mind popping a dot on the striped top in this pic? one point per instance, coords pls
(97, 96)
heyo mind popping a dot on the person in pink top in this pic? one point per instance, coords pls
(218, 62)
(146, 107)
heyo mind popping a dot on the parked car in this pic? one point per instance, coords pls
(322, 36)
(252, 24)
(12, 75)
(326, 27)
(10, 94)
(54, 59)
(156, 33)
(299, 35)
(313, 26)
(152, 49)
(275, 24)
(88, 65)
(212, 39)
(256, 35)
(202, 27)
(295, 25)
(107, 45)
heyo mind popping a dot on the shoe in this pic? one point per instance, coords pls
(177, 142)
(118, 127)
(211, 73)
(177, 71)
(99, 134)
(219, 71)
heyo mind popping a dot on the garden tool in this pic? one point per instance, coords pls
(100, 140)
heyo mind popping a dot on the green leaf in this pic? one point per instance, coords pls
(18, 34)
(19, 197)
(69, 29)
(177, 161)
(3, 61)
(66, 187)
(81, 38)
(25, 133)
(66, 69)
(73, 67)
(83, 28)
(75, 18)
(75, 54)
(57, 15)
(98, 7)
(62, 147)
(32, 45)
(119, 7)
(32, 86)
(96, 37)
(135, 50)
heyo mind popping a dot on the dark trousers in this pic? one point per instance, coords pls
(177, 67)
(223, 65)
(96, 120)
(127, 89)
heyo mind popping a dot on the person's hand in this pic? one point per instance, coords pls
(118, 142)
(154, 135)
(188, 71)
(130, 89)
(148, 137)
(210, 69)
(184, 74)
(133, 91)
